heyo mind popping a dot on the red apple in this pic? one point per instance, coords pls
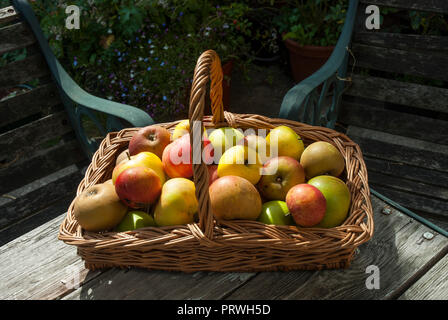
(306, 204)
(151, 138)
(138, 187)
(212, 173)
(177, 157)
(280, 174)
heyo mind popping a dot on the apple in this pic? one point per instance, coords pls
(240, 161)
(177, 204)
(306, 204)
(233, 197)
(275, 212)
(182, 128)
(124, 155)
(337, 196)
(286, 141)
(151, 138)
(278, 176)
(138, 187)
(135, 220)
(177, 157)
(322, 158)
(98, 208)
(212, 173)
(259, 144)
(143, 159)
(224, 138)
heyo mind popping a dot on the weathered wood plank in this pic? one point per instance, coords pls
(413, 201)
(394, 122)
(396, 139)
(432, 286)
(41, 164)
(58, 262)
(42, 99)
(412, 154)
(37, 195)
(37, 219)
(39, 266)
(412, 173)
(402, 41)
(21, 71)
(422, 64)
(439, 6)
(412, 187)
(26, 137)
(8, 14)
(16, 36)
(397, 249)
(410, 94)
(139, 284)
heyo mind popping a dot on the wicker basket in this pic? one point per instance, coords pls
(211, 245)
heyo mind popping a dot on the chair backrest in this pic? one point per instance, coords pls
(401, 86)
(36, 137)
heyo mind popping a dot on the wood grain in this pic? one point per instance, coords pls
(440, 6)
(39, 164)
(407, 154)
(8, 14)
(21, 71)
(432, 286)
(41, 100)
(39, 266)
(411, 94)
(139, 284)
(422, 64)
(396, 248)
(37, 195)
(402, 41)
(412, 173)
(414, 201)
(412, 187)
(34, 133)
(15, 36)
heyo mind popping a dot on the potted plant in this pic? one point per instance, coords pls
(310, 29)
(144, 53)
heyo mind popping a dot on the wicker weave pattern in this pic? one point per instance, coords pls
(212, 245)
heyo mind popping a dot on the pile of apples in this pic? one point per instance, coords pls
(149, 186)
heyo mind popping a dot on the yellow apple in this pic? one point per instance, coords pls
(259, 144)
(142, 159)
(240, 161)
(288, 142)
(223, 139)
(182, 128)
(177, 203)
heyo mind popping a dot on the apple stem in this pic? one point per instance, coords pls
(129, 156)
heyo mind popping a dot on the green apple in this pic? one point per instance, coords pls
(337, 196)
(275, 212)
(223, 139)
(135, 220)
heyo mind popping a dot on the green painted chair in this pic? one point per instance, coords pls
(77, 102)
(304, 102)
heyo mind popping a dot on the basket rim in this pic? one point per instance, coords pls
(344, 236)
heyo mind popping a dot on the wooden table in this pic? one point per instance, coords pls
(38, 266)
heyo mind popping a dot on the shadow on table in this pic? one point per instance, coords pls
(377, 270)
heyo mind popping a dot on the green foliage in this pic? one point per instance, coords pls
(312, 22)
(143, 53)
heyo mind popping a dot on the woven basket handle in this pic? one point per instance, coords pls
(208, 67)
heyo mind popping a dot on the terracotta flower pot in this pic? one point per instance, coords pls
(305, 60)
